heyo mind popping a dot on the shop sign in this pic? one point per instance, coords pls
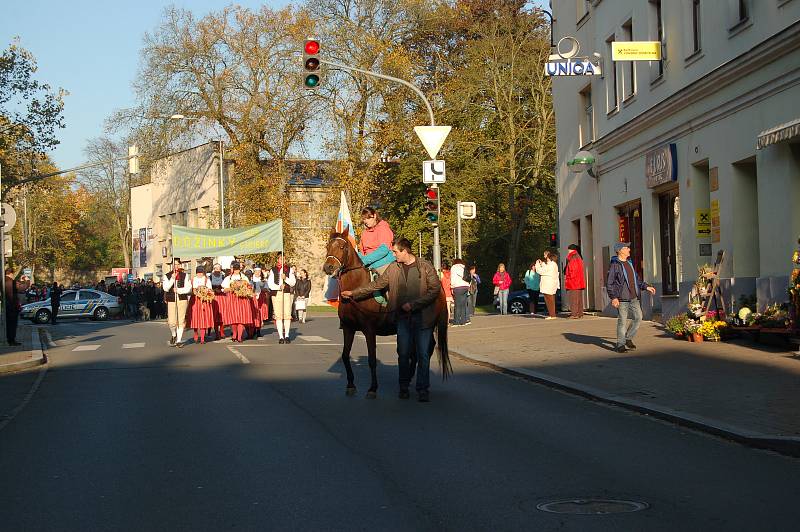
(703, 223)
(636, 51)
(713, 179)
(566, 62)
(661, 165)
(569, 67)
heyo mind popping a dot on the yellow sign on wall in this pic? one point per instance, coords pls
(715, 225)
(703, 223)
(636, 51)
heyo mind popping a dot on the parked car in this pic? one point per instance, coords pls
(519, 302)
(82, 303)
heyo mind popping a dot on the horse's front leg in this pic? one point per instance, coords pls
(348, 334)
(372, 393)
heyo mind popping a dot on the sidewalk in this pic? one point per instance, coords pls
(27, 355)
(742, 391)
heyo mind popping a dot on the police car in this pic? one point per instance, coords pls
(82, 303)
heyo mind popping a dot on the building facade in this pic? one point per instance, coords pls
(696, 153)
(184, 189)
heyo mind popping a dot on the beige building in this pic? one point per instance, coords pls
(695, 153)
(184, 189)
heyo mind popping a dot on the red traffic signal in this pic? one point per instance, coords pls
(311, 63)
(553, 240)
(432, 204)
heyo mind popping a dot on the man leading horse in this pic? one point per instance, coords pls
(413, 289)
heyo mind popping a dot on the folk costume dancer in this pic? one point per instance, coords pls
(216, 277)
(281, 280)
(376, 241)
(259, 285)
(201, 313)
(239, 314)
(177, 287)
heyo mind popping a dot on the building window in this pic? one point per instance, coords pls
(744, 12)
(695, 26)
(658, 20)
(587, 116)
(669, 211)
(582, 9)
(628, 67)
(194, 218)
(612, 97)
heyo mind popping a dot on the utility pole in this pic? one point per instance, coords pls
(458, 227)
(3, 338)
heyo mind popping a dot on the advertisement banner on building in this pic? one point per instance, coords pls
(636, 51)
(196, 242)
(135, 253)
(143, 247)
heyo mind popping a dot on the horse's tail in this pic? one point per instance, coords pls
(444, 356)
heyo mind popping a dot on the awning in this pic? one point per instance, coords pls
(778, 134)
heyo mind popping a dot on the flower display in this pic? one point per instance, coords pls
(204, 294)
(709, 330)
(677, 324)
(241, 288)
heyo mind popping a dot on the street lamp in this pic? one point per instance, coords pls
(584, 161)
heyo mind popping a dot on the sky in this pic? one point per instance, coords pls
(91, 49)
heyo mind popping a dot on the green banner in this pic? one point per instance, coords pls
(195, 242)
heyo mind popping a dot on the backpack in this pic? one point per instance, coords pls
(467, 276)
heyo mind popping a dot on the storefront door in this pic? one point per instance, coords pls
(669, 247)
(630, 230)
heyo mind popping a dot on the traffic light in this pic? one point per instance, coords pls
(553, 240)
(312, 75)
(432, 204)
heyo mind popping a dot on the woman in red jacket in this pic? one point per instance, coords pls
(575, 281)
(502, 283)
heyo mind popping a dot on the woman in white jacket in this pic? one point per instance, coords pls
(460, 288)
(549, 283)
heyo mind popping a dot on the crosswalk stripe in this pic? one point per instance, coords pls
(312, 338)
(135, 345)
(87, 347)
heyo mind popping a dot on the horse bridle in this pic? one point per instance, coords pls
(341, 270)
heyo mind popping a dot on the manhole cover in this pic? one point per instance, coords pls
(591, 506)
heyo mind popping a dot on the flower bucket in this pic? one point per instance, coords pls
(697, 337)
(690, 337)
(679, 336)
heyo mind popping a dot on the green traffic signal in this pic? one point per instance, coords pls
(312, 80)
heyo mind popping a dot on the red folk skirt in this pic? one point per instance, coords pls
(263, 305)
(217, 305)
(239, 310)
(201, 314)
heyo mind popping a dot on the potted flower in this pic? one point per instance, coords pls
(692, 331)
(708, 331)
(677, 325)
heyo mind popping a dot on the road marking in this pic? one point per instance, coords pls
(312, 338)
(240, 356)
(87, 347)
(50, 341)
(135, 345)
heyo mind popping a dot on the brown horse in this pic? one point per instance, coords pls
(368, 316)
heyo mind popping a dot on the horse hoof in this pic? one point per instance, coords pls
(350, 392)
(372, 395)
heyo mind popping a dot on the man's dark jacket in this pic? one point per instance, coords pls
(619, 286)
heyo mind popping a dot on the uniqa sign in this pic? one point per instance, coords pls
(565, 62)
(568, 67)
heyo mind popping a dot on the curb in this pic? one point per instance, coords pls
(38, 356)
(788, 445)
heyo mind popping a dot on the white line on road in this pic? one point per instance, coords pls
(135, 345)
(240, 356)
(50, 341)
(87, 347)
(312, 338)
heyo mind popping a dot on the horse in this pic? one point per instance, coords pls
(368, 316)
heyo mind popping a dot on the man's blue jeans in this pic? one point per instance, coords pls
(411, 339)
(628, 311)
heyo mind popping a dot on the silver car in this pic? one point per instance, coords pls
(82, 303)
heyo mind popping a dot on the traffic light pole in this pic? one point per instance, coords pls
(437, 251)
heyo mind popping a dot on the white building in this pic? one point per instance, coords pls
(723, 106)
(184, 189)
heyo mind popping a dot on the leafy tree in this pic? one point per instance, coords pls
(30, 114)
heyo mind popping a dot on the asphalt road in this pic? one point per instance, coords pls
(127, 433)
